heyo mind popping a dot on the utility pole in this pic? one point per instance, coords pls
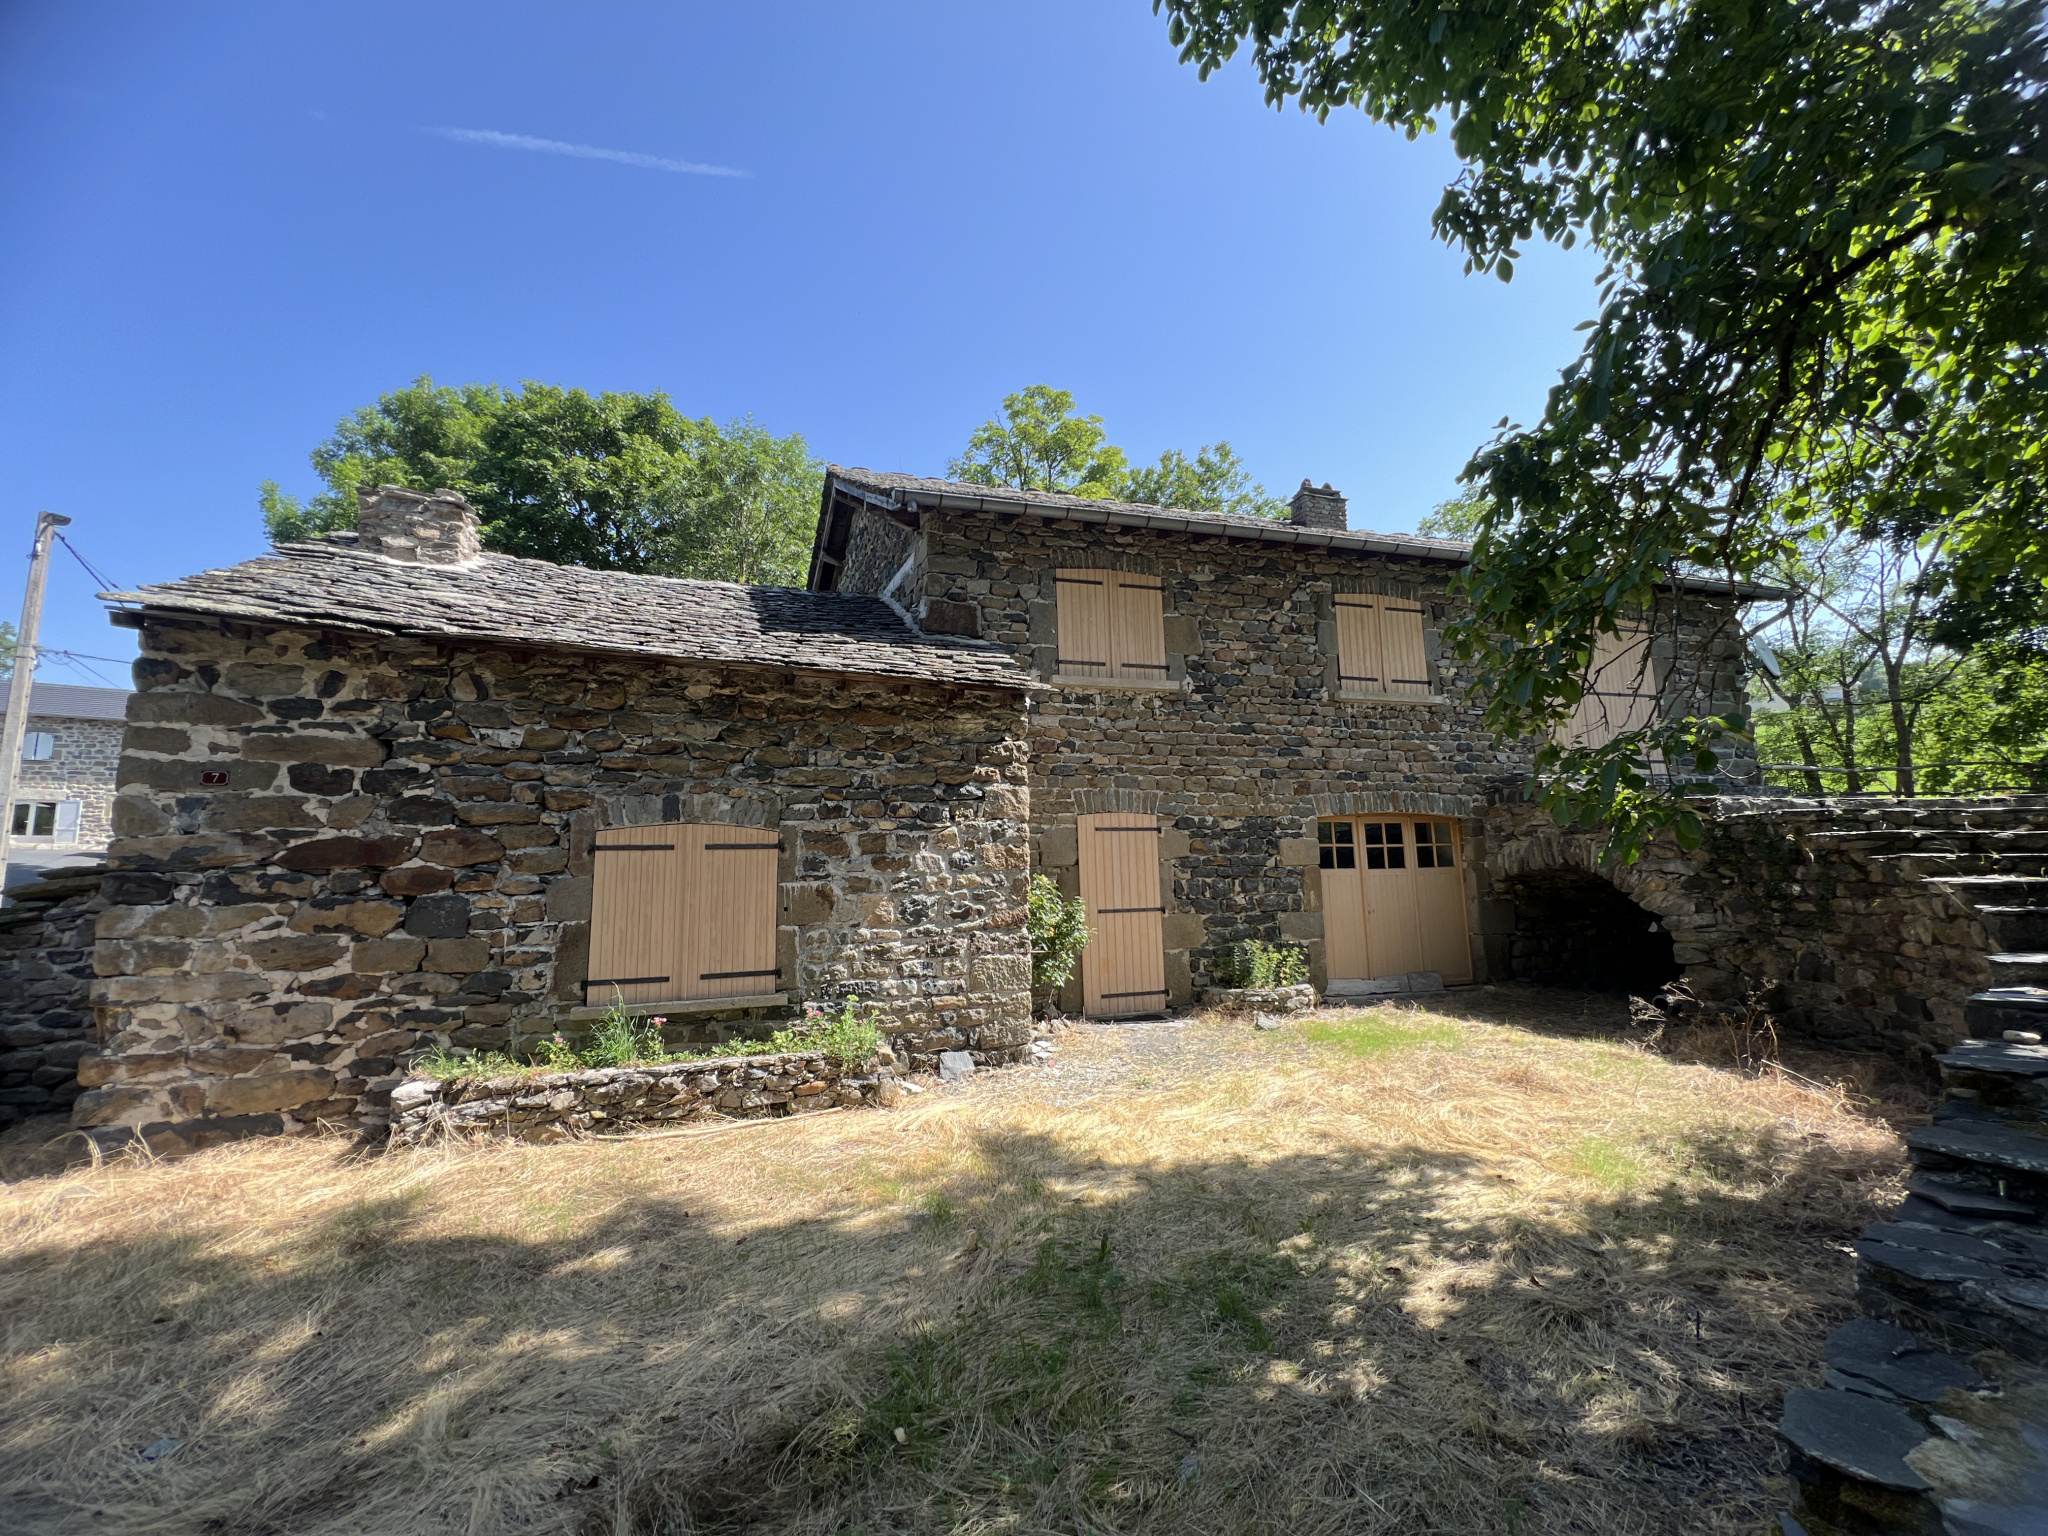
(47, 524)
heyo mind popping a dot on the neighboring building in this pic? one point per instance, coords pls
(382, 789)
(70, 754)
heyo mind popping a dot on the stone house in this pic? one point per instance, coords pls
(64, 798)
(382, 789)
(1246, 728)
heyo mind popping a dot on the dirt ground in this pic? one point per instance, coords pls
(1479, 1264)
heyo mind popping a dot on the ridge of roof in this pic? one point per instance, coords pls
(959, 496)
(331, 583)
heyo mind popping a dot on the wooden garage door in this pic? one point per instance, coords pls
(1123, 969)
(681, 911)
(1393, 897)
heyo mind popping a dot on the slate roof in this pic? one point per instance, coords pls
(332, 583)
(956, 495)
(72, 701)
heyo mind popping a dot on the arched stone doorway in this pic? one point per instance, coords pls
(1572, 928)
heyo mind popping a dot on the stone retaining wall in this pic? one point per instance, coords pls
(1810, 901)
(46, 940)
(553, 1106)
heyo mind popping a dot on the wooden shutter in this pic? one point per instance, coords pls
(729, 930)
(1621, 691)
(636, 915)
(1401, 649)
(682, 911)
(1137, 627)
(1358, 645)
(1123, 969)
(1084, 622)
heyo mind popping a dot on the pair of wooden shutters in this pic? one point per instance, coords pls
(1621, 691)
(682, 911)
(1123, 969)
(1379, 646)
(1111, 625)
(1393, 898)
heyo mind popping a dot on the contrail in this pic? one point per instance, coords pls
(492, 138)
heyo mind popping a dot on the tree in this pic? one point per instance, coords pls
(1214, 480)
(1041, 445)
(1457, 518)
(8, 641)
(1851, 656)
(745, 509)
(616, 481)
(1824, 224)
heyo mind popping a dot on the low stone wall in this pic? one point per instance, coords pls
(1298, 999)
(552, 1106)
(46, 940)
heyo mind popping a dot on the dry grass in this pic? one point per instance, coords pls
(1390, 1272)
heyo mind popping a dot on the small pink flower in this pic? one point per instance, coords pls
(657, 1021)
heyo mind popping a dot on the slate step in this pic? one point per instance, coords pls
(2025, 968)
(2007, 1078)
(1966, 1201)
(1996, 890)
(1989, 1015)
(2014, 929)
(1979, 1146)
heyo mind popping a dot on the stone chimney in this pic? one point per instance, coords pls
(1312, 508)
(437, 528)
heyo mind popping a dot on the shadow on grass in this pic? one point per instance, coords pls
(1314, 1343)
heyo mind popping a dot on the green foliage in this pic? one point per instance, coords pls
(1214, 480)
(1457, 518)
(1825, 302)
(615, 481)
(1059, 932)
(1041, 445)
(621, 1038)
(852, 1036)
(8, 640)
(1982, 726)
(1256, 964)
(1377, 1034)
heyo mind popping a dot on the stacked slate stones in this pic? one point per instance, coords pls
(1908, 1435)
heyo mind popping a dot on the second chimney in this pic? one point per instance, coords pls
(1325, 508)
(437, 528)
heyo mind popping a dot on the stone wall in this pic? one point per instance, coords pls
(556, 1105)
(46, 947)
(331, 851)
(85, 755)
(1248, 742)
(1820, 905)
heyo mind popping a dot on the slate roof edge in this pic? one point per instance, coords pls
(190, 606)
(1124, 514)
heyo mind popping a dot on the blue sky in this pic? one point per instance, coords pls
(229, 225)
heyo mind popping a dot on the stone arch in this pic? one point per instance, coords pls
(1134, 802)
(1579, 921)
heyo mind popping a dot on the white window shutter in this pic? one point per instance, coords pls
(67, 820)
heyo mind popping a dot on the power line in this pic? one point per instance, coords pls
(105, 585)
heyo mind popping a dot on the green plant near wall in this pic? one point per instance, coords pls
(1255, 964)
(1059, 932)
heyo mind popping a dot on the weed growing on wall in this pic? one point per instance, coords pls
(1255, 964)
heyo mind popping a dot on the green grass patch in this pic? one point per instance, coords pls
(1607, 1163)
(1378, 1034)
